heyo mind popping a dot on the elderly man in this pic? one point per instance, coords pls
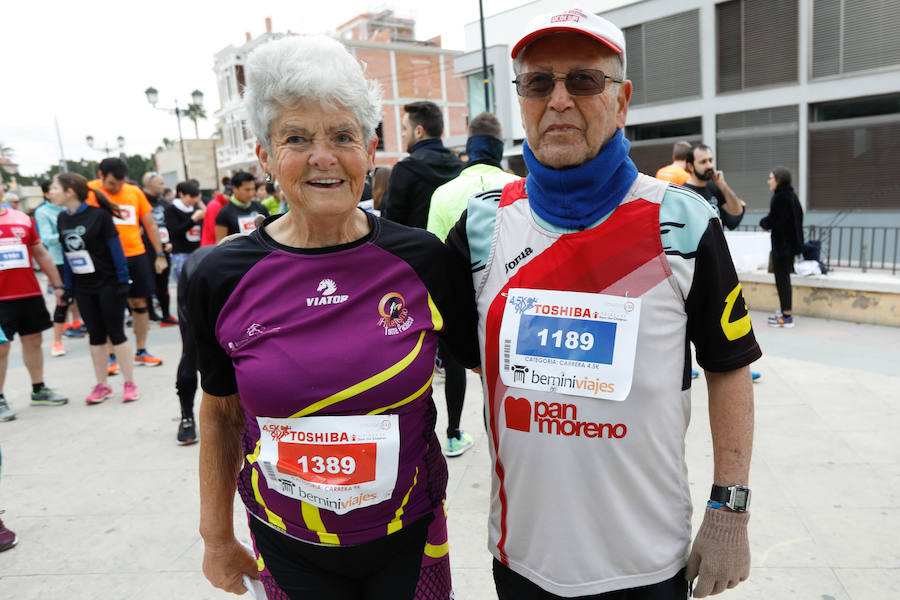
(591, 280)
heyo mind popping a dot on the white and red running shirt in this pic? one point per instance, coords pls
(585, 341)
(17, 236)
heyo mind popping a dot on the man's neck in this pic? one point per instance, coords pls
(681, 164)
(696, 181)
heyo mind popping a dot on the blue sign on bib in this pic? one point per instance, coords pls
(567, 339)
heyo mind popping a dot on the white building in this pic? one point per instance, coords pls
(813, 85)
(408, 70)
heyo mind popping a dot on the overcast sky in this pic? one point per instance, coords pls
(88, 63)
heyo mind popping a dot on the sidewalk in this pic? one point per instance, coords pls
(105, 503)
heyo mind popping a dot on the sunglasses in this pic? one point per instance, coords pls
(580, 82)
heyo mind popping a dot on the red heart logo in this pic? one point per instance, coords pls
(518, 413)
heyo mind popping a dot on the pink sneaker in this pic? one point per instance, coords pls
(100, 393)
(130, 393)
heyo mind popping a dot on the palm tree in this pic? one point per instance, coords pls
(194, 112)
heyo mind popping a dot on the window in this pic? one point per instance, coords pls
(651, 143)
(854, 36)
(379, 131)
(475, 86)
(756, 42)
(664, 58)
(853, 151)
(749, 144)
(239, 76)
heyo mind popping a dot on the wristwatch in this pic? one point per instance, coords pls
(735, 497)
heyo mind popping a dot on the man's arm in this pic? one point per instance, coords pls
(731, 424)
(225, 561)
(221, 231)
(149, 224)
(45, 262)
(733, 204)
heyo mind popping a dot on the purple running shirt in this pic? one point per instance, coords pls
(307, 335)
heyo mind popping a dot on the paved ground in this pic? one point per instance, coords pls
(105, 503)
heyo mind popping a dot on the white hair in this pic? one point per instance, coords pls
(290, 71)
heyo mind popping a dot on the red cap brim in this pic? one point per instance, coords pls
(534, 35)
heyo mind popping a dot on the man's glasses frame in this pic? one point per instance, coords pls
(578, 82)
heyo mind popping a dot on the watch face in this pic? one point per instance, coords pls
(741, 496)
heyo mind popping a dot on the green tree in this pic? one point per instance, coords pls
(194, 112)
(8, 152)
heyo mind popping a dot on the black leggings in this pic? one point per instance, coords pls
(454, 388)
(783, 266)
(384, 569)
(186, 378)
(160, 283)
(103, 312)
(512, 586)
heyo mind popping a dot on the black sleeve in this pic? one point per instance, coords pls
(449, 282)
(261, 208)
(729, 220)
(175, 223)
(223, 217)
(208, 289)
(718, 320)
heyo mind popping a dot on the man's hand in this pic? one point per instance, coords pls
(719, 179)
(60, 296)
(721, 552)
(167, 247)
(224, 565)
(160, 264)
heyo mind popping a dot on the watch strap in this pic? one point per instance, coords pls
(720, 493)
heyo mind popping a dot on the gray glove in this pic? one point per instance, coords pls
(721, 552)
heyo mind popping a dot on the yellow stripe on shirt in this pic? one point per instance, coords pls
(366, 384)
(313, 521)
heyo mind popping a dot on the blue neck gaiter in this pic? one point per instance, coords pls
(484, 149)
(577, 198)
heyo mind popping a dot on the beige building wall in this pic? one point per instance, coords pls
(201, 163)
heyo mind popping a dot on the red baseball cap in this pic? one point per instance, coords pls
(575, 20)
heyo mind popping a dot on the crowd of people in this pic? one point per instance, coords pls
(575, 293)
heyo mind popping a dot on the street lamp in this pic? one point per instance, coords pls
(153, 98)
(105, 148)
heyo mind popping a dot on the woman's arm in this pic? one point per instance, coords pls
(225, 561)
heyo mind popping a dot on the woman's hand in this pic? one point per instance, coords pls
(224, 565)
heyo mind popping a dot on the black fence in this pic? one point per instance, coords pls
(855, 247)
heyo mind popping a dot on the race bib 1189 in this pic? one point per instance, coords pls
(571, 343)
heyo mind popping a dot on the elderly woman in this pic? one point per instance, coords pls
(316, 339)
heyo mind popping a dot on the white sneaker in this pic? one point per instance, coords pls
(6, 413)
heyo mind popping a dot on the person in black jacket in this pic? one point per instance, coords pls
(428, 166)
(785, 222)
(95, 273)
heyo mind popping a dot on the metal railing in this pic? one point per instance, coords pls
(853, 246)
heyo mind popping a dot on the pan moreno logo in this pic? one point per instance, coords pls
(556, 418)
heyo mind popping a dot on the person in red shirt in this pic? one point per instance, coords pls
(208, 233)
(22, 308)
